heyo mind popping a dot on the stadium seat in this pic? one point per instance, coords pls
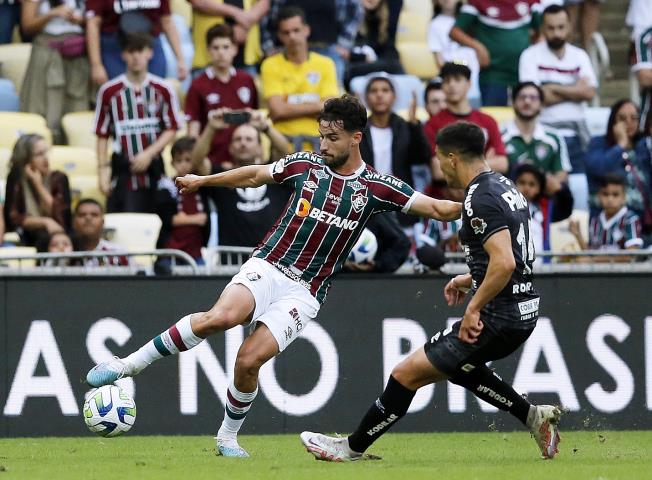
(422, 114)
(404, 84)
(85, 186)
(15, 124)
(419, 7)
(73, 161)
(412, 27)
(417, 59)
(17, 252)
(13, 62)
(502, 115)
(78, 127)
(597, 119)
(561, 239)
(134, 231)
(5, 155)
(9, 101)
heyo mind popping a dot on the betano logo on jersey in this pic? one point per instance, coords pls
(304, 209)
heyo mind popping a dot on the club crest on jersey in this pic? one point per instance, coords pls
(244, 94)
(310, 186)
(478, 225)
(313, 77)
(358, 201)
(213, 98)
(541, 151)
(320, 174)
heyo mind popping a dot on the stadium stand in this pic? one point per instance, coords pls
(134, 231)
(13, 62)
(561, 239)
(85, 186)
(15, 124)
(78, 128)
(73, 161)
(17, 252)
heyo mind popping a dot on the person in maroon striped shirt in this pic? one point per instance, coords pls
(280, 289)
(140, 111)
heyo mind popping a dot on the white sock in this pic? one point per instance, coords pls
(235, 411)
(178, 338)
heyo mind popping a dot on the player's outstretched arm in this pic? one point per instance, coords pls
(243, 177)
(444, 210)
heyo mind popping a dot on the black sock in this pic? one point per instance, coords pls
(488, 386)
(385, 412)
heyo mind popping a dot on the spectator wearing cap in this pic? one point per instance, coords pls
(297, 81)
(390, 144)
(434, 98)
(498, 31)
(140, 111)
(107, 22)
(456, 79)
(529, 141)
(333, 25)
(219, 86)
(567, 79)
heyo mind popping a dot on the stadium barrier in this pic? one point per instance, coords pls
(591, 352)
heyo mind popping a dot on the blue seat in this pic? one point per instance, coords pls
(9, 101)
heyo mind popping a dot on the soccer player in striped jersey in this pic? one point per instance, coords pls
(281, 288)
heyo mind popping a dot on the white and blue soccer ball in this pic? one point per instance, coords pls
(109, 411)
(365, 248)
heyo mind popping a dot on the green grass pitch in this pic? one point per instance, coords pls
(604, 455)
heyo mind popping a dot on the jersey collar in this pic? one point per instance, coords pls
(607, 224)
(355, 174)
(511, 131)
(211, 74)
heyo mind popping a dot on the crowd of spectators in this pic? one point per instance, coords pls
(260, 74)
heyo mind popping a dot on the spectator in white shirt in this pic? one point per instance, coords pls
(639, 16)
(566, 76)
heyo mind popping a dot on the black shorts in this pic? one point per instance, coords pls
(452, 356)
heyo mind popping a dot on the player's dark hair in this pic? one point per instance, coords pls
(290, 12)
(379, 78)
(553, 10)
(135, 42)
(221, 30)
(613, 179)
(88, 201)
(434, 84)
(610, 138)
(538, 174)
(464, 138)
(347, 111)
(181, 145)
(455, 69)
(517, 89)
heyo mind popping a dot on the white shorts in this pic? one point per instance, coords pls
(283, 305)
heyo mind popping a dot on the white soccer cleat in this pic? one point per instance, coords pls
(229, 447)
(108, 372)
(545, 429)
(329, 449)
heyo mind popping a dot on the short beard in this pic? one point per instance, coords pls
(527, 118)
(336, 162)
(556, 43)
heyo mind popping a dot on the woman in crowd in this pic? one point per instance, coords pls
(37, 199)
(622, 151)
(56, 80)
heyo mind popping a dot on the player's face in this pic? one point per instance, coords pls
(60, 243)
(448, 163)
(380, 97)
(39, 158)
(245, 147)
(455, 88)
(89, 220)
(137, 60)
(182, 163)
(527, 184)
(222, 52)
(293, 33)
(556, 28)
(335, 143)
(527, 104)
(436, 102)
(612, 198)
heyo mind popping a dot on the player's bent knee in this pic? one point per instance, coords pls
(217, 320)
(248, 362)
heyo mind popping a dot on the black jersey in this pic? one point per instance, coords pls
(491, 204)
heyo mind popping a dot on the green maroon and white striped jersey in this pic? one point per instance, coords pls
(621, 231)
(326, 214)
(643, 48)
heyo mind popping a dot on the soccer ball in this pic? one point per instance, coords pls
(365, 248)
(109, 411)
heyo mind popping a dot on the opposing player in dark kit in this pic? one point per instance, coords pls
(500, 316)
(281, 288)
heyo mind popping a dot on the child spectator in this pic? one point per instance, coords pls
(184, 218)
(58, 242)
(616, 227)
(434, 98)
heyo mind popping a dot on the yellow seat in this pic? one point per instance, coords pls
(417, 59)
(561, 239)
(418, 7)
(17, 252)
(5, 155)
(78, 127)
(422, 114)
(502, 115)
(412, 27)
(134, 231)
(85, 186)
(73, 160)
(13, 62)
(15, 124)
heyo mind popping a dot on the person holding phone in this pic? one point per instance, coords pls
(219, 86)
